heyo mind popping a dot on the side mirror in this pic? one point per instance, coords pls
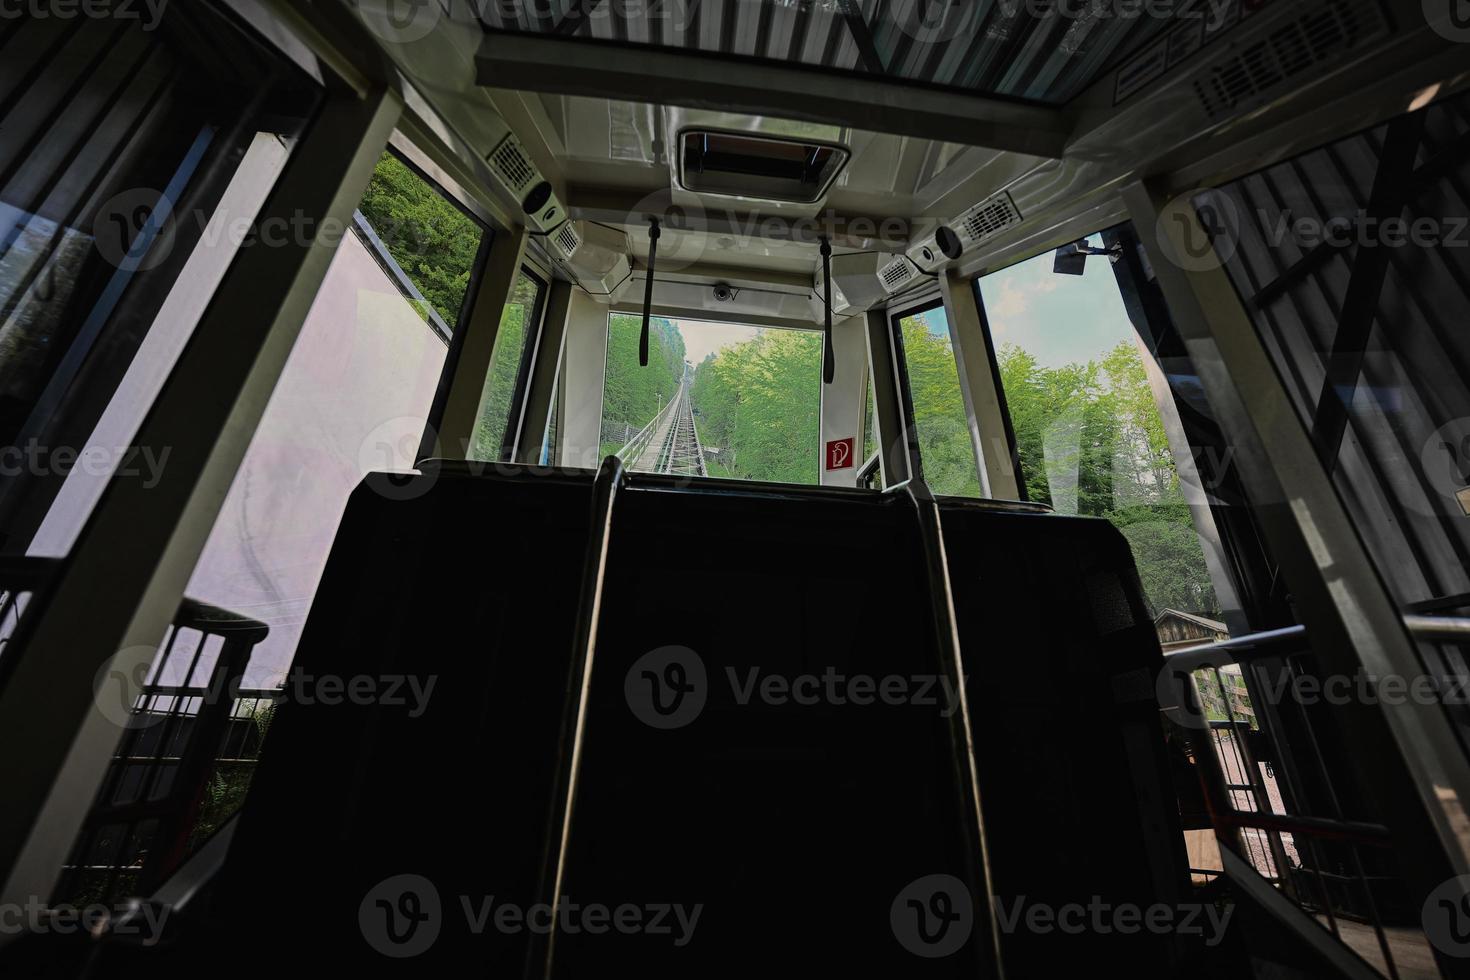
(1071, 259)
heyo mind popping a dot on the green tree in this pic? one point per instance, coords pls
(759, 403)
(433, 241)
(632, 394)
(1091, 442)
(945, 448)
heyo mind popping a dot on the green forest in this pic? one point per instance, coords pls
(433, 241)
(505, 370)
(945, 450)
(1094, 431)
(759, 405)
(632, 395)
(1089, 436)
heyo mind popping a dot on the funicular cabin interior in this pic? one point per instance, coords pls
(697, 487)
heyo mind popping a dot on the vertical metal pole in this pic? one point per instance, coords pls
(610, 479)
(122, 584)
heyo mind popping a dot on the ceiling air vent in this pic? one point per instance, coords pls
(518, 175)
(898, 274)
(566, 240)
(1255, 69)
(985, 220)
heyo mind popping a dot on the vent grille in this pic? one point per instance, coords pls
(513, 167)
(1254, 72)
(566, 239)
(896, 274)
(988, 218)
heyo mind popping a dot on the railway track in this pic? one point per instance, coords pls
(670, 443)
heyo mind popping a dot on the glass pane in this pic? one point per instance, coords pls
(507, 368)
(431, 239)
(717, 399)
(870, 446)
(945, 448)
(1351, 262)
(1042, 51)
(117, 220)
(1087, 428)
(353, 398)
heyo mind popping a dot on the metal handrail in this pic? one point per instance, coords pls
(611, 478)
(640, 441)
(1267, 641)
(962, 739)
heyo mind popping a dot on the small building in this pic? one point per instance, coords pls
(1178, 630)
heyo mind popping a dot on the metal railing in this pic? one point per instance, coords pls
(190, 742)
(1282, 795)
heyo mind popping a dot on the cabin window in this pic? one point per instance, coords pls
(353, 398)
(941, 425)
(1088, 432)
(717, 399)
(1351, 261)
(505, 384)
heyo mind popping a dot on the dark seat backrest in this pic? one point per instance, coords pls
(1063, 661)
(467, 582)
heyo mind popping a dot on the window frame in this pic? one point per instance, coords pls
(521, 393)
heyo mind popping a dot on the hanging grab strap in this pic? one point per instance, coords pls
(648, 291)
(829, 362)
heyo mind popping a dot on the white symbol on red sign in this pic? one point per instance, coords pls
(839, 454)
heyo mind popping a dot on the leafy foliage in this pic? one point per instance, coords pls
(432, 240)
(945, 449)
(505, 371)
(759, 404)
(631, 394)
(1091, 442)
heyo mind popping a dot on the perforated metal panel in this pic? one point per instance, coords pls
(1255, 71)
(990, 217)
(514, 168)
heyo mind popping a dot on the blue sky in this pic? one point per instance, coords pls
(1058, 319)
